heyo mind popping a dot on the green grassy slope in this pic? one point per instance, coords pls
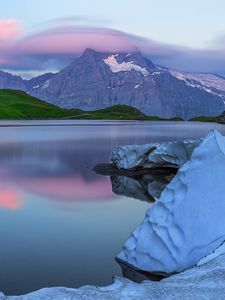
(207, 119)
(116, 112)
(20, 105)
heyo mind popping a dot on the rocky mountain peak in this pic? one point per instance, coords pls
(135, 58)
(100, 79)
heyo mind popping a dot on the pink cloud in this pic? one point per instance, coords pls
(55, 47)
(9, 29)
(73, 42)
(75, 39)
(60, 44)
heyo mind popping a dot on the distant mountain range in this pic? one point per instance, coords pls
(98, 80)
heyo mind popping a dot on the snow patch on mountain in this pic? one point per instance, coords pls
(210, 83)
(116, 67)
(156, 73)
(36, 86)
(43, 85)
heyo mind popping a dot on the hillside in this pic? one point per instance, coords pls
(16, 104)
(216, 119)
(116, 112)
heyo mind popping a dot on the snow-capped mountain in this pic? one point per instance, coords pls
(97, 80)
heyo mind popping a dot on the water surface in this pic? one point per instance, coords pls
(60, 223)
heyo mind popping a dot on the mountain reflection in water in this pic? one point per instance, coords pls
(52, 170)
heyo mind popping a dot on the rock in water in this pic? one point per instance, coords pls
(154, 155)
(187, 223)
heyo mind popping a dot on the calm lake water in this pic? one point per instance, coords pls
(60, 223)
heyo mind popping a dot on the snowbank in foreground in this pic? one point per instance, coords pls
(155, 154)
(205, 282)
(187, 222)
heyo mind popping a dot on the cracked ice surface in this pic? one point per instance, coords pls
(154, 155)
(187, 222)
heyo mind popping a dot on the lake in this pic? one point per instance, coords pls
(60, 223)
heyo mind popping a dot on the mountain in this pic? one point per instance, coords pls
(9, 81)
(38, 82)
(98, 80)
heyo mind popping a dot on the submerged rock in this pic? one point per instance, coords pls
(187, 222)
(205, 282)
(153, 155)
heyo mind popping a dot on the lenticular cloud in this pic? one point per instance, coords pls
(57, 46)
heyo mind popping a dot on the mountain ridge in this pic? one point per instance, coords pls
(97, 80)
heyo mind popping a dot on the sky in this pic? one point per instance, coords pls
(44, 35)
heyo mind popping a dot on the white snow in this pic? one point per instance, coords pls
(45, 84)
(36, 86)
(207, 82)
(166, 153)
(187, 222)
(156, 73)
(204, 282)
(116, 67)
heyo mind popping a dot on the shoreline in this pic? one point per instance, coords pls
(204, 282)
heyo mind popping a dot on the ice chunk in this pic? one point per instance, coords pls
(187, 222)
(155, 154)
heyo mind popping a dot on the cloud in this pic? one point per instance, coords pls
(66, 38)
(9, 29)
(75, 20)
